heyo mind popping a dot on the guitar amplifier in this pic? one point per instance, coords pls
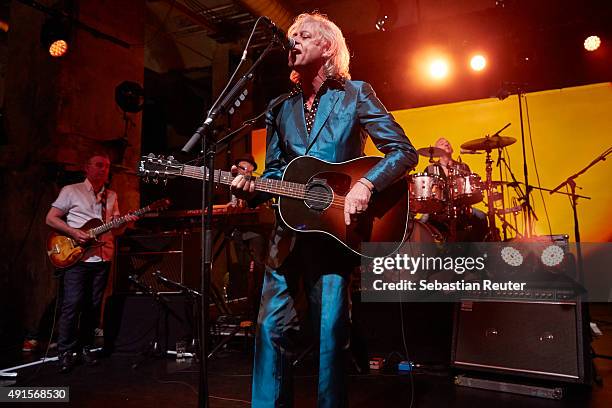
(142, 255)
(536, 339)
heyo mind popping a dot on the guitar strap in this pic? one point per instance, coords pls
(103, 202)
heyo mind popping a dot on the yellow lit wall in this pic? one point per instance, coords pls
(569, 128)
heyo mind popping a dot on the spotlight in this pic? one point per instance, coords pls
(592, 43)
(478, 62)
(54, 36)
(438, 68)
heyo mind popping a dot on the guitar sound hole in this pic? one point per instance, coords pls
(319, 196)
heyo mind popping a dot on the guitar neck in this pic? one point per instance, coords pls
(117, 222)
(273, 186)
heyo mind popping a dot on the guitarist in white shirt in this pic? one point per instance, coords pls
(84, 283)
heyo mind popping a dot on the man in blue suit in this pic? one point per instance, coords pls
(327, 116)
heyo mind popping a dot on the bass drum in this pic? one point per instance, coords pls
(418, 231)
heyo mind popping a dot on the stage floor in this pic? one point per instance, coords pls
(164, 382)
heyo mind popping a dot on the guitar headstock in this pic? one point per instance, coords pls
(154, 168)
(162, 204)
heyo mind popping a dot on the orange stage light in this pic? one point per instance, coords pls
(592, 43)
(438, 68)
(58, 48)
(478, 62)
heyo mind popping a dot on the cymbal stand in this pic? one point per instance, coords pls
(493, 234)
(502, 216)
(528, 210)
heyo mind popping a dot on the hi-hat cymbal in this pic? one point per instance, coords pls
(488, 143)
(431, 151)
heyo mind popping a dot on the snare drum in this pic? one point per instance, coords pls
(466, 189)
(427, 193)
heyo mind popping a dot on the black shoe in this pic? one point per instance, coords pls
(89, 357)
(66, 362)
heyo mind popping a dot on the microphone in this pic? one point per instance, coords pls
(464, 151)
(287, 43)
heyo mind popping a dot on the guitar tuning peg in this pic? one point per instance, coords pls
(170, 158)
(165, 182)
(155, 180)
(151, 156)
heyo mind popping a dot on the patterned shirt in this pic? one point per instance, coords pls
(310, 114)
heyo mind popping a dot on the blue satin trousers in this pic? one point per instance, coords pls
(318, 274)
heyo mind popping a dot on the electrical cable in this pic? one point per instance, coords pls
(535, 165)
(57, 293)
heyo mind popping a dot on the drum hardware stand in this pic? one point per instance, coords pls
(493, 234)
(506, 224)
(571, 182)
(154, 349)
(525, 203)
(503, 200)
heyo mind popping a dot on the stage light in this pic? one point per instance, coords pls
(478, 62)
(58, 48)
(438, 68)
(592, 43)
(54, 36)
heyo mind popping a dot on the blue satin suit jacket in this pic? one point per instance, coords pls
(348, 112)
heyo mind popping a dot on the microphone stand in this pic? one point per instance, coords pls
(509, 86)
(528, 226)
(228, 102)
(571, 182)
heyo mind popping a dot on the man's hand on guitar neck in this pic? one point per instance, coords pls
(357, 199)
(242, 186)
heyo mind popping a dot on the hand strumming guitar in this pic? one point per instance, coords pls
(357, 199)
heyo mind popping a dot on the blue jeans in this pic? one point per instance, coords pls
(84, 285)
(320, 275)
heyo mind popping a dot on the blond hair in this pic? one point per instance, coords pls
(337, 65)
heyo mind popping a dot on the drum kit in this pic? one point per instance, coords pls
(448, 196)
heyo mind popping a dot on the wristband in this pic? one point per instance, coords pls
(368, 187)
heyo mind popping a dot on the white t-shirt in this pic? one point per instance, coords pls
(80, 204)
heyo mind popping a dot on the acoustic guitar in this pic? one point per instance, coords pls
(64, 251)
(312, 193)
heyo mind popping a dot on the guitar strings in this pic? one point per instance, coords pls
(317, 197)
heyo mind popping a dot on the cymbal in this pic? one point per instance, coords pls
(431, 151)
(488, 143)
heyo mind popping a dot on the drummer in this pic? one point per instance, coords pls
(472, 222)
(446, 162)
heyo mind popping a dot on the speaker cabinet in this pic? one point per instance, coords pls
(142, 255)
(533, 339)
(131, 322)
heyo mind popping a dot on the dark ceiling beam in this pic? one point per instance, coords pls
(195, 17)
(276, 10)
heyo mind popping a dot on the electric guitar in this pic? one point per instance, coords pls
(64, 251)
(312, 193)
